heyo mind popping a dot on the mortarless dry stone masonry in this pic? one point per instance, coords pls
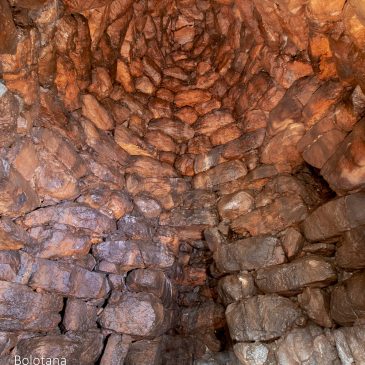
(182, 181)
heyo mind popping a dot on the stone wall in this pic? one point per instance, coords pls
(182, 182)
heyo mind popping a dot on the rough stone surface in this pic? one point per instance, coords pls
(225, 172)
(68, 280)
(347, 302)
(233, 205)
(249, 320)
(350, 251)
(335, 217)
(161, 160)
(249, 254)
(316, 304)
(294, 276)
(139, 314)
(8, 38)
(307, 344)
(17, 315)
(283, 212)
(233, 288)
(12, 237)
(72, 348)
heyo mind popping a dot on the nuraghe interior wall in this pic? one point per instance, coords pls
(182, 182)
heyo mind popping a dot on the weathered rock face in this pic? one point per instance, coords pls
(168, 167)
(72, 349)
(347, 302)
(17, 315)
(307, 271)
(335, 217)
(249, 254)
(350, 251)
(249, 320)
(138, 314)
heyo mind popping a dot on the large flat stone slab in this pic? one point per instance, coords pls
(309, 271)
(249, 254)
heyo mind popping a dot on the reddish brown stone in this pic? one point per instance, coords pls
(282, 149)
(309, 271)
(232, 288)
(177, 130)
(292, 242)
(233, 205)
(208, 315)
(150, 208)
(151, 281)
(249, 254)
(160, 108)
(316, 303)
(149, 167)
(184, 35)
(61, 242)
(321, 101)
(76, 215)
(12, 237)
(131, 143)
(124, 77)
(187, 115)
(350, 253)
(10, 113)
(205, 161)
(53, 180)
(151, 70)
(101, 83)
(79, 316)
(145, 352)
(144, 85)
(225, 134)
(220, 174)
(199, 145)
(237, 148)
(334, 217)
(161, 141)
(322, 13)
(77, 6)
(186, 217)
(18, 315)
(345, 170)
(185, 165)
(249, 319)
(95, 112)
(116, 349)
(8, 39)
(59, 147)
(212, 122)
(347, 300)
(208, 106)
(139, 314)
(319, 348)
(283, 212)
(17, 196)
(68, 280)
(320, 143)
(71, 348)
(175, 72)
(165, 190)
(165, 94)
(191, 98)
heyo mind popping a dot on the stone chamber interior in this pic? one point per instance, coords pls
(182, 182)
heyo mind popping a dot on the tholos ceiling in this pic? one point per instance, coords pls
(182, 182)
